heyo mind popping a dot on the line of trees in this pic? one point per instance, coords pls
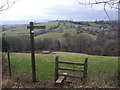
(105, 44)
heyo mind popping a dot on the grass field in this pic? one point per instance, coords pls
(100, 68)
(53, 35)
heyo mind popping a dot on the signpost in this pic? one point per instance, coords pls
(32, 27)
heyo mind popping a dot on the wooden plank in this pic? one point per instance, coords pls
(39, 27)
(36, 27)
(68, 75)
(70, 69)
(60, 79)
(75, 63)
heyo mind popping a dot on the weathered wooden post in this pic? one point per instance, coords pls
(85, 68)
(32, 52)
(9, 65)
(56, 67)
(32, 27)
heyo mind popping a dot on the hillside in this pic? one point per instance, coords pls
(56, 28)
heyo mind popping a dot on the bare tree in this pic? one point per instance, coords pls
(6, 4)
(113, 4)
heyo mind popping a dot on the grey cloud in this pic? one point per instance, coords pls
(77, 12)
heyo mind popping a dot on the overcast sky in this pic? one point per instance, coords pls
(54, 10)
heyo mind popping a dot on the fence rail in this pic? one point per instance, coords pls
(70, 69)
(75, 63)
(57, 68)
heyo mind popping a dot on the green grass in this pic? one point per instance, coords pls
(18, 30)
(53, 35)
(48, 24)
(99, 25)
(90, 35)
(94, 24)
(16, 33)
(100, 68)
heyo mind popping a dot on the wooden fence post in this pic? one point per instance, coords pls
(56, 67)
(85, 68)
(9, 66)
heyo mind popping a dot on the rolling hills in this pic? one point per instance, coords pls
(55, 29)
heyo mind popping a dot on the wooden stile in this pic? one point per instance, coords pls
(57, 62)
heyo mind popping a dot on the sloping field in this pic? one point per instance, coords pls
(100, 68)
(53, 35)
